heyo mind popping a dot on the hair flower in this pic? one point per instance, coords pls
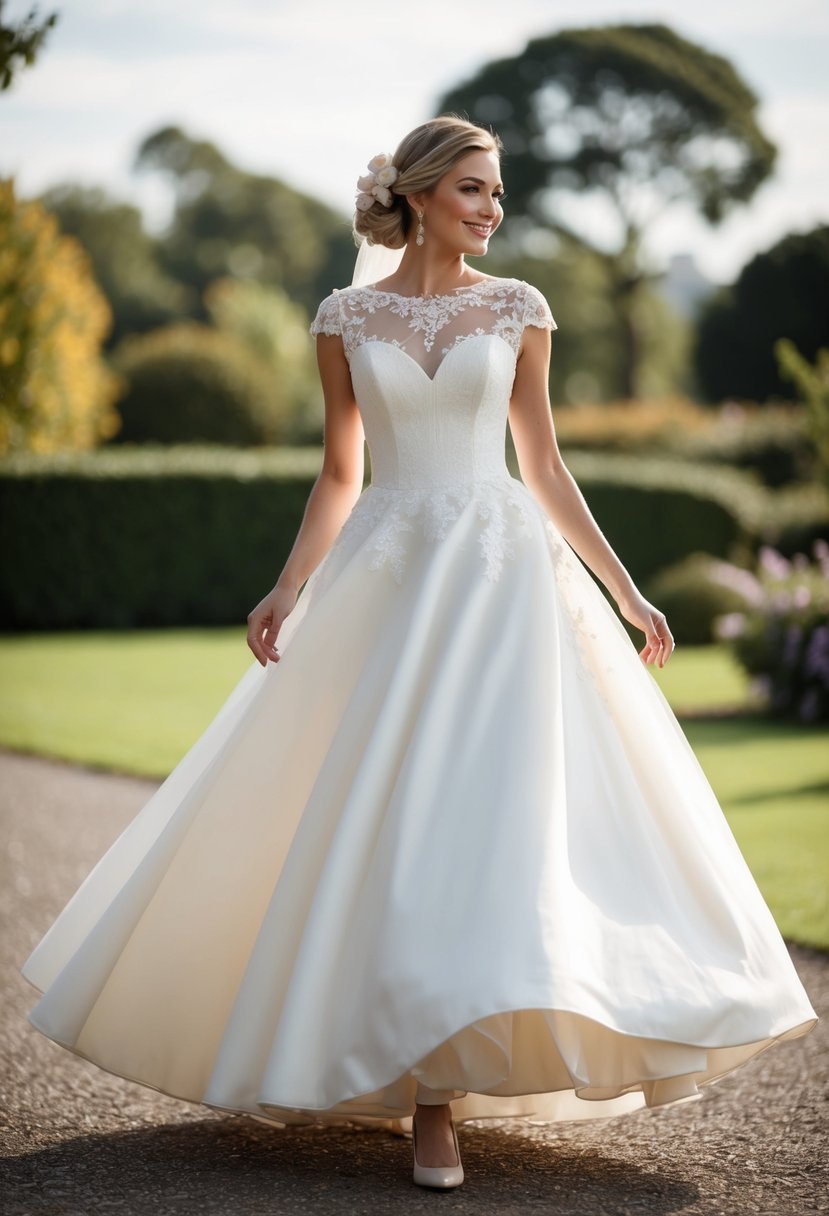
(374, 185)
(387, 175)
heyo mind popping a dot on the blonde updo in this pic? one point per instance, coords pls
(422, 158)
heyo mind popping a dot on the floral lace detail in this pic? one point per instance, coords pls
(480, 332)
(428, 315)
(576, 628)
(387, 513)
(361, 314)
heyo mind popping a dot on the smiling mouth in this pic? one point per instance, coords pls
(480, 229)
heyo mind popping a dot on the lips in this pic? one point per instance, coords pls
(479, 229)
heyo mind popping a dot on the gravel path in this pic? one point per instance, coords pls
(77, 1141)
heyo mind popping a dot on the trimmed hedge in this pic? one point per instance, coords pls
(655, 510)
(156, 536)
(147, 536)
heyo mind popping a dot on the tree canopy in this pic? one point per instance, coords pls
(20, 44)
(626, 120)
(231, 222)
(127, 261)
(782, 292)
(55, 390)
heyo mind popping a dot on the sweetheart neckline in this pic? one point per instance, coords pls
(451, 351)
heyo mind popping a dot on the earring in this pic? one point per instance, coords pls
(419, 238)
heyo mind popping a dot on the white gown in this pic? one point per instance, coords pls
(456, 835)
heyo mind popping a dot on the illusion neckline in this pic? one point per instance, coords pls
(441, 295)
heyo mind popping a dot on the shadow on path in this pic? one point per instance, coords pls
(219, 1166)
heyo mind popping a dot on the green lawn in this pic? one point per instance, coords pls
(134, 702)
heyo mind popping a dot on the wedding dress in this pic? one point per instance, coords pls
(455, 836)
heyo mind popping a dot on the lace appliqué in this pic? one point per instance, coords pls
(514, 303)
(327, 320)
(387, 514)
(576, 626)
(536, 309)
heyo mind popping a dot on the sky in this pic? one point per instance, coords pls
(309, 90)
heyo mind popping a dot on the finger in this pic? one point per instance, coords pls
(654, 647)
(663, 643)
(263, 647)
(263, 655)
(649, 652)
(668, 648)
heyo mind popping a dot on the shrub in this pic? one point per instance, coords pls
(191, 383)
(695, 592)
(782, 640)
(813, 385)
(773, 442)
(275, 330)
(647, 425)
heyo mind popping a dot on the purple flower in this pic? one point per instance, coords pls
(739, 580)
(773, 562)
(729, 625)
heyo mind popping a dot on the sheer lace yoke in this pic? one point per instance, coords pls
(428, 328)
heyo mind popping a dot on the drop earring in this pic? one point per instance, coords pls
(419, 238)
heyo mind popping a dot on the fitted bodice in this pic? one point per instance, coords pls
(433, 376)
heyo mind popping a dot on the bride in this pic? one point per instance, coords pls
(445, 851)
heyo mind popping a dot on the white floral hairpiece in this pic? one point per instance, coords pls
(373, 186)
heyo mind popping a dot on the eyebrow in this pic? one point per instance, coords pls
(479, 180)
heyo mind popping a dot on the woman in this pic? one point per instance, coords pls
(445, 843)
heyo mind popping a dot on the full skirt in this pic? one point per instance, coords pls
(456, 836)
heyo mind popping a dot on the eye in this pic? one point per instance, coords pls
(496, 194)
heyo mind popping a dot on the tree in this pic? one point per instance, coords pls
(228, 222)
(782, 292)
(637, 117)
(126, 260)
(55, 391)
(20, 43)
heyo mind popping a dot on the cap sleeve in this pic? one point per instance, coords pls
(327, 320)
(536, 309)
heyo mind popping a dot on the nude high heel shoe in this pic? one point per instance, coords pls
(437, 1175)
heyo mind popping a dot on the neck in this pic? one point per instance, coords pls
(422, 273)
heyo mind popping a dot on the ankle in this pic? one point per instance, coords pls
(434, 1110)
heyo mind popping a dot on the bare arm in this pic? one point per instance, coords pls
(332, 497)
(549, 481)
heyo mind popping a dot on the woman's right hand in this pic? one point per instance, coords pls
(265, 622)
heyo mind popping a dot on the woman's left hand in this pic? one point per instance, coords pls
(659, 641)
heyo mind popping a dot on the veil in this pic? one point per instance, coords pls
(375, 262)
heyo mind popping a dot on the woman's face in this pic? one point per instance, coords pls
(465, 209)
